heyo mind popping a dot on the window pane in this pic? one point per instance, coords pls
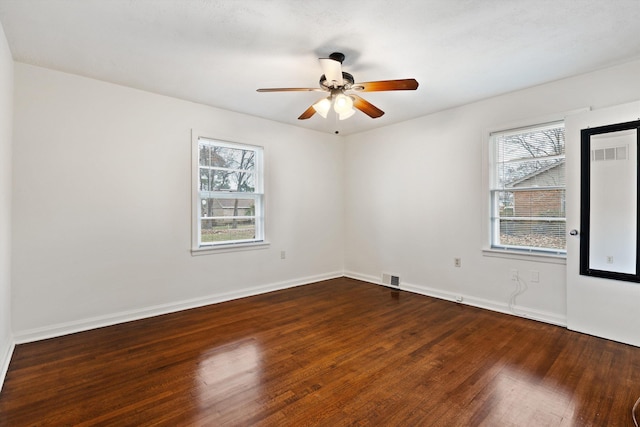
(232, 158)
(210, 179)
(244, 182)
(205, 155)
(546, 141)
(212, 207)
(223, 180)
(211, 155)
(532, 203)
(533, 234)
(220, 230)
(532, 173)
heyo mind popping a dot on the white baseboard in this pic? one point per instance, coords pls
(60, 329)
(66, 328)
(4, 362)
(497, 306)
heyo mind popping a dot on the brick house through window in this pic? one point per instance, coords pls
(538, 210)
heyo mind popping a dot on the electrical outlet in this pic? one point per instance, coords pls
(609, 259)
(514, 274)
(457, 262)
(283, 254)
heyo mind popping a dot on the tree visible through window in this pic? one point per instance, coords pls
(528, 189)
(229, 193)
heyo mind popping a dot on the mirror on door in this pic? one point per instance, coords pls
(609, 201)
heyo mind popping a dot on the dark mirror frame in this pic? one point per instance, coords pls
(585, 202)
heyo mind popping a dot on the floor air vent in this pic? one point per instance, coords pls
(390, 280)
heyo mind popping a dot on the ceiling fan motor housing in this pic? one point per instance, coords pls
(347, 82)
(337, 56)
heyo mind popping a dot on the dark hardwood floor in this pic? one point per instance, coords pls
(339, 352)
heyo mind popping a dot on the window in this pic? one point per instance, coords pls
(527, 189)
(228, 194)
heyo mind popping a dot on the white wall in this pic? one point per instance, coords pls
(6, 119)
(102, 205)
(414, 197)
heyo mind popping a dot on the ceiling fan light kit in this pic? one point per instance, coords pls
(342, 103)
(337, 82)
(322, 107)
(343, 116)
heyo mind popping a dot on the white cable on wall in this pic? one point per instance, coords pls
(521, 287)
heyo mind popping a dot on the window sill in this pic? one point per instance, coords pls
(526, 256)
(231, 247)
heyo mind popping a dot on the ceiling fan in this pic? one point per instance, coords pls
(341, 87)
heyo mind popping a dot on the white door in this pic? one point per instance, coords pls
(601, 307)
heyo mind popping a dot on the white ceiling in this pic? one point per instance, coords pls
(218, 52)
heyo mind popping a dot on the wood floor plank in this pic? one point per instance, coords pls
(338, 352)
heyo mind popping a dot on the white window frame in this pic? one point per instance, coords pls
(258, 242)
(554, 257)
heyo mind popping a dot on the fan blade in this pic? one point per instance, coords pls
(382, 85)
(366, 107)
(332, 71)
(290, 89)
(307, 113)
